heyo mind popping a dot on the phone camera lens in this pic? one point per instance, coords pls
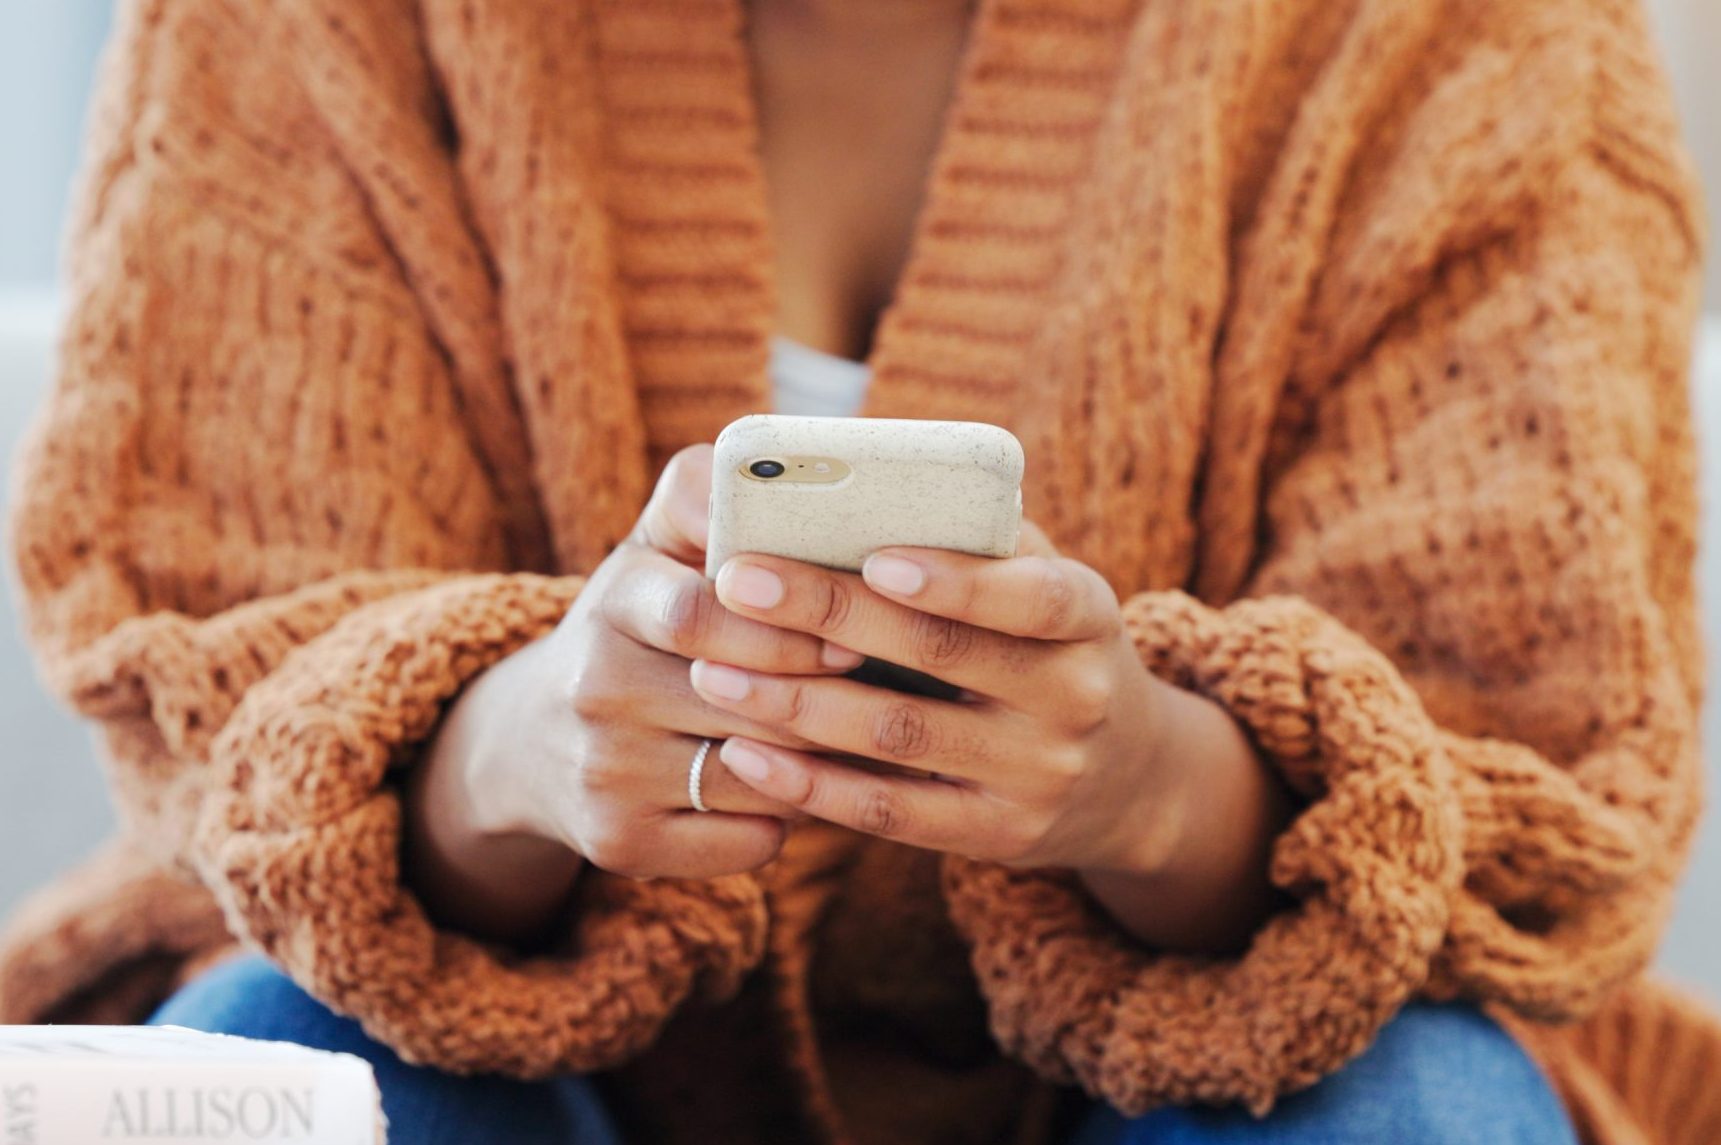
(766, 469)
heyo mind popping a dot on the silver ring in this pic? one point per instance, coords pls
(696, 776)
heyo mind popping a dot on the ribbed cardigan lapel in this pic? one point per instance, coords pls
(692, 234)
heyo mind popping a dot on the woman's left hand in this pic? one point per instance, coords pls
(1052, 756)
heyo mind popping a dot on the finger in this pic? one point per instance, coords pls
(691, 845)
(1042, 598)
(925, 813)
(648, 692)
(676, 521)
(675, 609)
(719, 788)
(839, 608)
(843, 715)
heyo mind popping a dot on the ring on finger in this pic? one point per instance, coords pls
(696, 776)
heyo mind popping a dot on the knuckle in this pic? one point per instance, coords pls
(1054, 599)
(1088, 696)
(600, 779)
(833, 605)
(612, 847)
(940, 642)
(809, 792)
(1021, 840)
(1109, 620)
(688, 611)
(1064, 767)
(604, 599)
(797, 702)
(590, 696)
(883, 813)
(902, 731)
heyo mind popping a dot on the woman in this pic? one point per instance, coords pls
(1362, 324)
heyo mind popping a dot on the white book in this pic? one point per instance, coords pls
(98, 1085)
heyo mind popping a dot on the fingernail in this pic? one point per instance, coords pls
(750, 585)
(836, 656)
(747, 762)
(721, 680)
(894, 575)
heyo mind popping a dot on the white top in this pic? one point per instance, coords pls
(812, 383)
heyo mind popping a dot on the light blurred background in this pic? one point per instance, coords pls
(52, 807)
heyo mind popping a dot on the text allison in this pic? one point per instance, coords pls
(213, 1113)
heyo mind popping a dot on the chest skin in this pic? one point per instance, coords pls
(851, 108)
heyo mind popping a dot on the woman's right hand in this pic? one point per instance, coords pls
(578, 746)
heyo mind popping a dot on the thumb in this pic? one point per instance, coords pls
(676, 520)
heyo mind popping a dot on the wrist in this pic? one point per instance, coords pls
(1196, 879)
(472, 748)
(477, 858)
(1153, 831)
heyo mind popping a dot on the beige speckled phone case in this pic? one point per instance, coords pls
(941, 484)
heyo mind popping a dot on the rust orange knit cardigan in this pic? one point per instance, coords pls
(1347, 339)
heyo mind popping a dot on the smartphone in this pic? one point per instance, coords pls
(831, 490)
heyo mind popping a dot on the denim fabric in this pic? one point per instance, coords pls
(1436, 1075)
(248, 996)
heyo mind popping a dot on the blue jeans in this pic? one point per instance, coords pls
(1436, 1075)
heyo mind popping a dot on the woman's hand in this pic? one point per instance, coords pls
(579, 745)
(1064, 750)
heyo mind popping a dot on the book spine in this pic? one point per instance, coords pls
(50, 1101)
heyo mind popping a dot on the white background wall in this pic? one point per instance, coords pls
(1691, 35)
(52, 808)
(51, 804)
(47, 50)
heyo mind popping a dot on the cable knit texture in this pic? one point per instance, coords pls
(1347, 340)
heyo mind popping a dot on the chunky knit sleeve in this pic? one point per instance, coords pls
(260, 549)
(1465, 632)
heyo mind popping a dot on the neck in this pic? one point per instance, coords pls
(865, 14)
